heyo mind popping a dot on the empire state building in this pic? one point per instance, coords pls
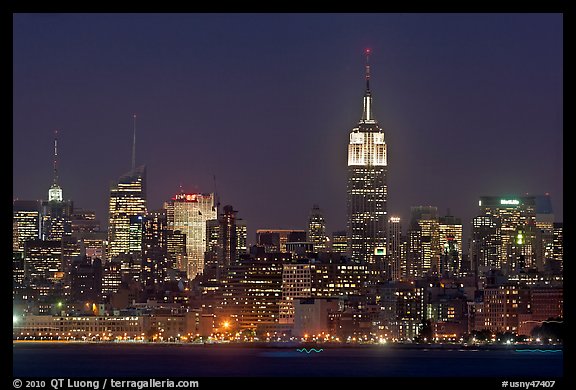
(367, 190)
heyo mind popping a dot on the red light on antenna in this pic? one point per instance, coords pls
(367, 51)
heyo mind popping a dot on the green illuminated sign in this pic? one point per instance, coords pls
(510, 201)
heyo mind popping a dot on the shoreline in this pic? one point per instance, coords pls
(291, 345)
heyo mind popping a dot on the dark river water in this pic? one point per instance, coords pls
(39, 359)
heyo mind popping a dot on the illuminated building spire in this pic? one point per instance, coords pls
(55, 157)
(367, 52)
(134, 145)
(367, 116)
(55, 192)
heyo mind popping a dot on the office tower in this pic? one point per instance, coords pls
(296, 283)
(111, 278)
(274, 240)
(190, 213)
(87, 234)
(127, 207)
(502, 305)
(86, 280)
(558, 243)
(93, 244)
(317, 229)
(339, 242)
(337, 276)
(395, 259)
(71, 249)
(252, 294)
(84, 221)
(42, 265)
(517, 218)
(176, 248)
(18, 267)
(450, 229)
(26, 222)
(56, 219)
(485, 244)
(402, 309)
(43, 259)
(524, 249)
(424, 240)
(155, 260)
(56, 213)
(544, 232)
(367, 188)
(226, 238)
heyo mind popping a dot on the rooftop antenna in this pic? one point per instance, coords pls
(134, 145)
(367, 52)
(217, 198)
(367, 112)
(55, 192)
(55, 157)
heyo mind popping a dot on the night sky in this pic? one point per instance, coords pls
(471, 105)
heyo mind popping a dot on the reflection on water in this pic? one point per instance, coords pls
(105, 360)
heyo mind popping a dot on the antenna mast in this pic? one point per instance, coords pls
(55, 157)
(134, 145)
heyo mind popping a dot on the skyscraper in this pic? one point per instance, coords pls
(544, 231)
(155, 261)
(190, 213)
(558, 243)
(317, 229)
(517, 228)
(450, 229)
(56, 212)
(43, 274)
(296, 283)
(26, 219)
(226, 237)
(395, 257)
(367, 188)
(127, 208)
(424, 240)
(485, 244)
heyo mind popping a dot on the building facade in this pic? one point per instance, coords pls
(396, 257)
(126, 210)
(226, 241)
(317, 229)
(190, 213)
(26, 222)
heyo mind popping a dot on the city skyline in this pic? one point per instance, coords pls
(268, 156)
